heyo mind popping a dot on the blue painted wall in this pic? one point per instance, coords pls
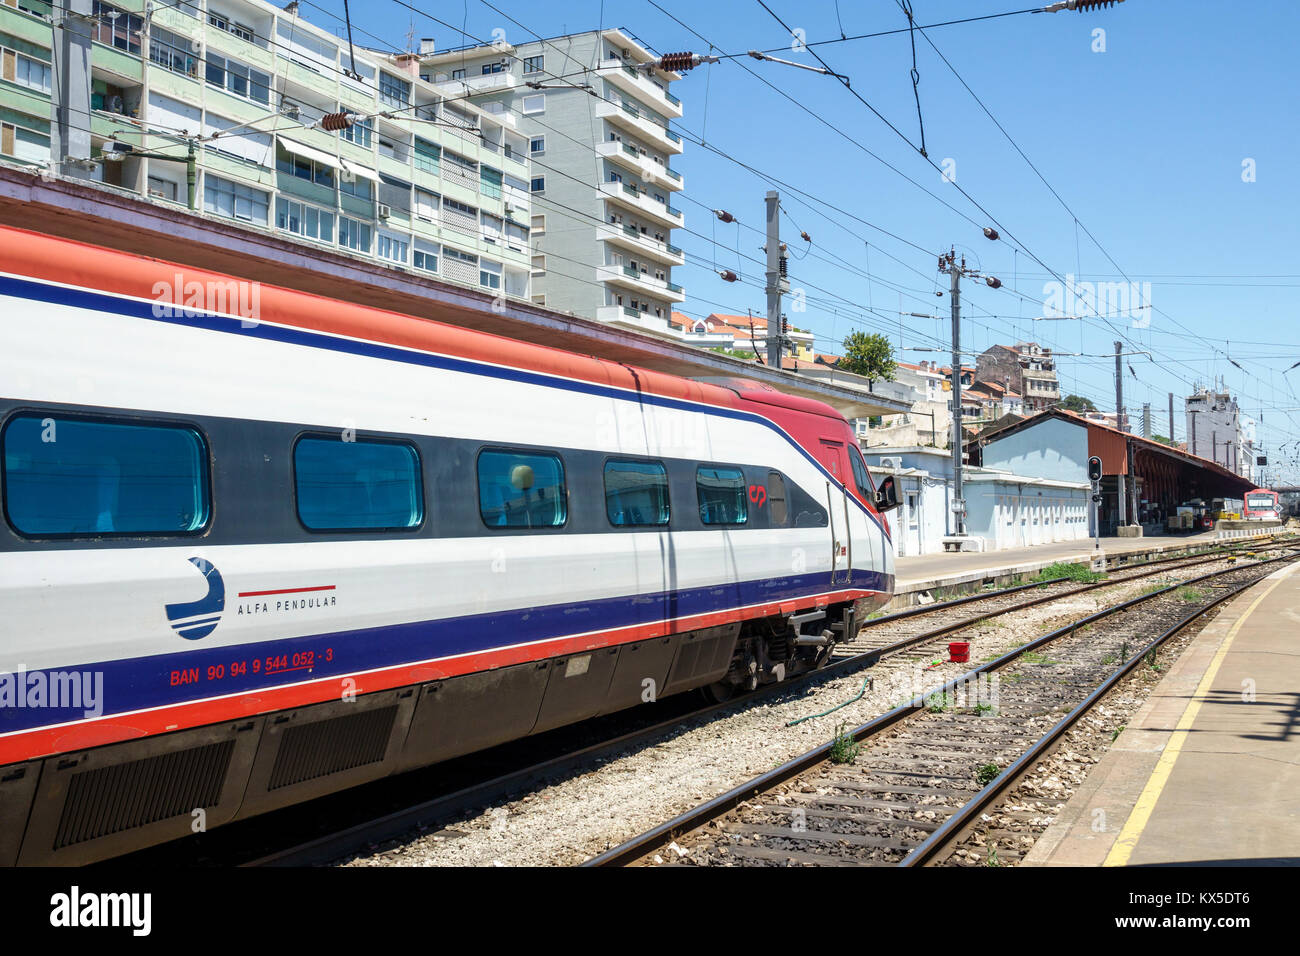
(1053, 449)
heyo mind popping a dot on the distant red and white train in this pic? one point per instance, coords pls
(1261, 505)
(248, 560)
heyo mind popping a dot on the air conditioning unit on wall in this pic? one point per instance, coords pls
(891, 461)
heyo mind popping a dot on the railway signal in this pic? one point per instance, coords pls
(1094, 476)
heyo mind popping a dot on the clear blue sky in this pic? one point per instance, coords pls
(1145, 143)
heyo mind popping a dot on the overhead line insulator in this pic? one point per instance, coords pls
(337, 121)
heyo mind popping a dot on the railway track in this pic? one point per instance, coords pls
(569, 750)
(906, 787)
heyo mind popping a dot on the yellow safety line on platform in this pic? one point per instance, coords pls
(1131, 832)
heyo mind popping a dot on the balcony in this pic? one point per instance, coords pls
(630, 157)
(472, 85)
(633, 279)
(631, 238)
(649, 207)
(639, 85)
(623, 315)
(632, 120)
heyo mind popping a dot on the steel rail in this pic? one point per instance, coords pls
(641, 845)
(331, 846)
(956, 825)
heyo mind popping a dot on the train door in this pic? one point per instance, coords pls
(832, 455)
(837, 506)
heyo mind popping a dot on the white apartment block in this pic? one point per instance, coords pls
(596, 119)
(416, 182)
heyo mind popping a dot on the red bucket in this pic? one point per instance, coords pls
(959, 652)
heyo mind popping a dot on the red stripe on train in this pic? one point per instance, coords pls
(101, 731)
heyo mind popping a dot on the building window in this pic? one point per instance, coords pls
(353, 185)
(490, 182)
(238, 29)
(495, 67)
(535, 104)
(392, 248)
(489, 274)
(113, 27)
(393, 91)
(426, 204)
(303, 220)
(521, 490)
(291, 164)
(636, 493)
(32, 73)
(427, 156)
(357, 485)
(721, 493)
(458, 74)
(238, 79)
(354, 234)
(426, 256)
(538, 184)
(539, 265)
(539, 225)
(71, 476)
(534, 64)
(163, 189)
(235, 200)
(172, 52)
(361, 132)
(537, 145)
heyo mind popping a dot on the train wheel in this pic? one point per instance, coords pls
(720, 692)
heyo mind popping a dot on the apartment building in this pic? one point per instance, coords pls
(1026, 368)
(596, 117)
(415, 182)
(929, 422)
(1217, 430)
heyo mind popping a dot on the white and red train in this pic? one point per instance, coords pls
(246, 561)
(1260, 504)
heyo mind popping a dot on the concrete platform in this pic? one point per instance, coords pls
(1204, 774)
(948, 574)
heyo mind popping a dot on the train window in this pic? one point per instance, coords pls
(722, 495)
(777, 509)
(361, 485)
(75, 476)
(861, 476)
(636, 493)
(519, 489)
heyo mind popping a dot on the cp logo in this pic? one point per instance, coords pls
(758, 495)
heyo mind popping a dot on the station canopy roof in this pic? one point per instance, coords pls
(1109, 444)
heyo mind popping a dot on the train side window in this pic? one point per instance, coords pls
(636, 493)
(861, 476)
(85, 477)
(520, 489)
(722, 495)
(361, 485)
(776, 504)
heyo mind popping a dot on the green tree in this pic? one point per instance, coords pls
(1077, 403)
(869, 355)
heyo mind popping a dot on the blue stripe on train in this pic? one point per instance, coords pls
(147, 682)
